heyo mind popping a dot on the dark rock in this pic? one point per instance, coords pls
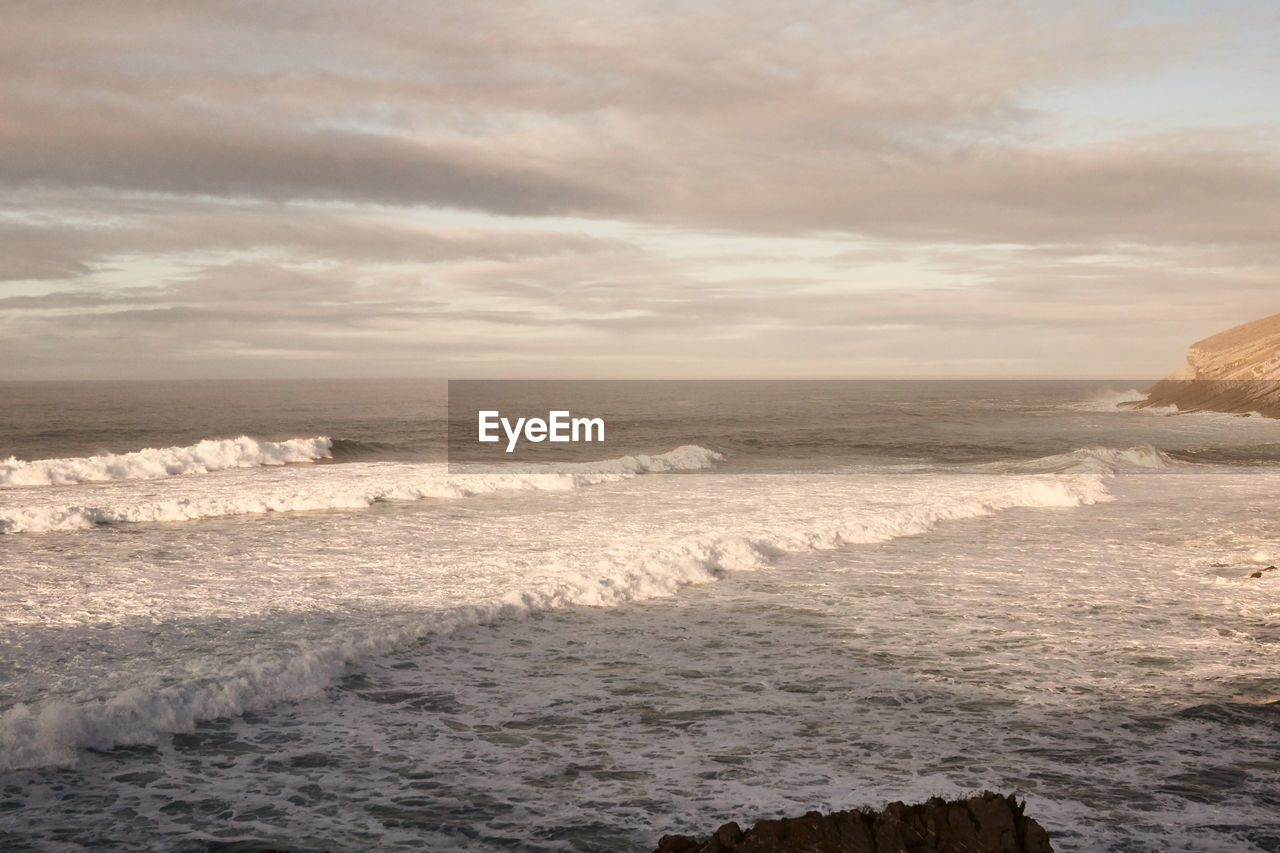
(988, 823)
(677, 844)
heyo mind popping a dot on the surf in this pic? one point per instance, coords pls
(349, 486)
(151, 463)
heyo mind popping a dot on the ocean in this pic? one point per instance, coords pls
(245, 615)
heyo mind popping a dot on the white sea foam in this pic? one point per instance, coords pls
(349, 486)
(1111, 401)
(51, 732)
(155, 463)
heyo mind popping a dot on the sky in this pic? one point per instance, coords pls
(859, 189)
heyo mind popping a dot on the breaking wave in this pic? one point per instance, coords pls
(1111, 400)
(351, 486)
(50, 733)
(157, 463)
(1099, 460)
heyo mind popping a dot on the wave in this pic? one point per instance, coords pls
(51, 733)
(1099, 460)
(1112, 400)
(157, 463)
(351, 486)
(1132, 400)
(1267, 454)
(351, 450)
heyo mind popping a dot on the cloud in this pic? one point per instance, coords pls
(653, 187)
(882, 118)
(74, 243)
(640, 314)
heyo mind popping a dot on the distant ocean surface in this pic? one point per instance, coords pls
(269, 614)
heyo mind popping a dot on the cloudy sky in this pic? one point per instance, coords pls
(657, 189)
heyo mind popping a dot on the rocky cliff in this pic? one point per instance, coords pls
(989, 823)
(1233, 371)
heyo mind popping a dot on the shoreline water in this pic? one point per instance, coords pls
(890, 630)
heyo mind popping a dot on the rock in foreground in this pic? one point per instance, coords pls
(989, 823)
(1234, 371)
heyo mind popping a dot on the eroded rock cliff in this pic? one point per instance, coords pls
(1233, 371)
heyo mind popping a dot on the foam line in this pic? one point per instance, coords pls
(51, 733)
(156, 463)
(350, 486)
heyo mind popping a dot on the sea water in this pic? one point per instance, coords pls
(247, 615)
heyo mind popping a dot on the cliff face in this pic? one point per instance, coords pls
(989, 823)
(1233, 371)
